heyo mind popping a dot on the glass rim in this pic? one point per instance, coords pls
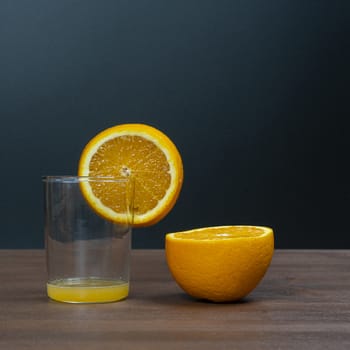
(78, 179)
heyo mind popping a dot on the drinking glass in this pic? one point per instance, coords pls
(88, 256)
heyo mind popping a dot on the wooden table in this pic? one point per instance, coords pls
(302, 303)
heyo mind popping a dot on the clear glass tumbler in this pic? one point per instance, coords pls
(87, 255)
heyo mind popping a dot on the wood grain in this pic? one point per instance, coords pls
(302, 303)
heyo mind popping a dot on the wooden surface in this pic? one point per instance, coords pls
(302, 303)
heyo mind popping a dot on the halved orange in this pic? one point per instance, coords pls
(136, 151)
(220, 264)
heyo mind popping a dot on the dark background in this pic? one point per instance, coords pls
(255, 94)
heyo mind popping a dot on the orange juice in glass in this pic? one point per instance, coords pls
(87, 255)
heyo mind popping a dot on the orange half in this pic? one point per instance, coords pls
(221, 264)
(139, 152)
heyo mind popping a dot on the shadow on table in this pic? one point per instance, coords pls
(182, 298)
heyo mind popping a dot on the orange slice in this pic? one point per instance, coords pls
(220, 264)
(139, 152)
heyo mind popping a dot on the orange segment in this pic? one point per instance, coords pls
(142, 153)
(220, 264)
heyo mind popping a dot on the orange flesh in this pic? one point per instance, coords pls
(218, 234)
(126, 156)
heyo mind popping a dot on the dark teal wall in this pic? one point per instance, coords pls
(254, 93)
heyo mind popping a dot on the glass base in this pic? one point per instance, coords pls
(87, 290)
